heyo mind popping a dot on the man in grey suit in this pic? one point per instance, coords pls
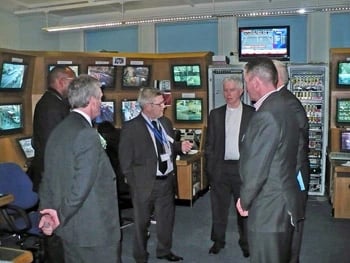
(147, 153)
(303, 163)
(226, 126)
(269, 191)
(79, 182)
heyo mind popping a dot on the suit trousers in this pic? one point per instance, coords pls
(102, 254)
(162, 203)
(270, 247)
(223, 188)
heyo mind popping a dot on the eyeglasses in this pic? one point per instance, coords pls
(159, 104)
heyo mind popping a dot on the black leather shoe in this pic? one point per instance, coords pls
(170, 257)
(215, 249)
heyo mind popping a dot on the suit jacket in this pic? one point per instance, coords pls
(79, 182)
(138, 157)
(215, 142)
(50, 110)
(303, 163)
(269, 188)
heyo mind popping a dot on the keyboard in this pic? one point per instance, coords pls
(339, 156)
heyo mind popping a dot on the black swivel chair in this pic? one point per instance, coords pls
(111, 135)
(19, 219)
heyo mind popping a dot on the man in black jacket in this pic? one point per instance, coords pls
(303, 164)
(50, 110)
(226, 127)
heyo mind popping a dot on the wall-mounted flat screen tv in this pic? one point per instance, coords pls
(25, 144)
(186, 76)
(188, 110)
(107, 112)
(342, 112)
(264, 41)
(343, 74)
(74, 67)
(105, 74)
(136, 76)
(11, 118)
(130, 109)
(13, 76)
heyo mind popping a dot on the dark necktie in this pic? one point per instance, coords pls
(163, 166)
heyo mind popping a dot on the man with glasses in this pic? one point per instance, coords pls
(147, 151)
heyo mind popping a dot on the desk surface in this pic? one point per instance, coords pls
(6, 199)
(188, 158)
(15, 255)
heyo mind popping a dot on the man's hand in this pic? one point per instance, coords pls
(49, 221)
(240, 209)
(186, 146)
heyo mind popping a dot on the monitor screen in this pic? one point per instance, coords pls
(75, 68)
(12, 76)
(343, 74)
(186, 76)
(130, 109)
(26, 147)
(188, 109)
(107, 112)
(136, 76)
(343, 112)
(11, 118)
(268, 41)
(345, 141)
(105, 74)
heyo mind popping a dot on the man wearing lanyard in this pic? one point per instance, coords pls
(147, 153)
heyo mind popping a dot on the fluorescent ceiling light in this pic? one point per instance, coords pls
(126, 23)
(278, 12)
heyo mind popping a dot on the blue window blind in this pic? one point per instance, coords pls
(339, 30)
(298, 32)
(188, 37)
(122, 39)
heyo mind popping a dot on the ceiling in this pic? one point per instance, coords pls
(84, 10)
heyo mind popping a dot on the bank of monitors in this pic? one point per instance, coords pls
(130, 109)
(343, 74)
(188, 110)
(11, 118)
(107, 112)
(186, 76)
(13, 76)
(105, 74)
(136, 76)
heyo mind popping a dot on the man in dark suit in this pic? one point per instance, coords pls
(269, 190)
(303, 165)
(79, 181)
(226, 126)
(50, 110)
(147, 152)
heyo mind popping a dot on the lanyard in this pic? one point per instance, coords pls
(157, 134)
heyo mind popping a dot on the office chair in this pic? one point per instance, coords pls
(111, 135)
(19, 218)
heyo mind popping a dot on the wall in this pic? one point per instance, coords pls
(9, 31)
